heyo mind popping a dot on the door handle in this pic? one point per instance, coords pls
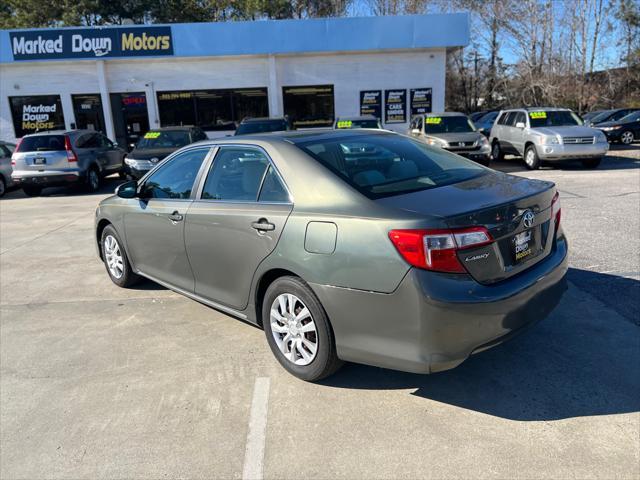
(176, 217)
(263, 225)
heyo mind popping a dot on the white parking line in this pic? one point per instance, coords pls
(254, 450)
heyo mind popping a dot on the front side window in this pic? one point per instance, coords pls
(553, 118)
(385, 165)
(236, 175)
(460, 124)
(175, 179)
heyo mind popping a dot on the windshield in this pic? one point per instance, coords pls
(488, 118)
(601, 117)
(357, 124)
(553, 118)
(41, 143)
(448, 125)
(261, 127)
(385, 165)
(164, 139)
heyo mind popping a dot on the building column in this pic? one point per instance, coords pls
(275, 92)
(67, 111)
(105, 99)
(152, 105)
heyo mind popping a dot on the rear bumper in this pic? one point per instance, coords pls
(47, 178)
(569, 152)
(434, 321)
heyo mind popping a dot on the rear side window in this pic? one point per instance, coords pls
(385, 165)
(236, 175)
(272, 188)
(41, 143)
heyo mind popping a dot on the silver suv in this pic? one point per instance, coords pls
(58, 158)
(553, 134)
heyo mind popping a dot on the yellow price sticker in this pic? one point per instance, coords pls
(538, 114)
(152, 135)
(434, 120)
(345, 124)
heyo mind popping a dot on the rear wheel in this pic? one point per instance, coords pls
(115, 259)
(93, 180)
(298, 330)
(496, 151)
(531, 159)
(591, 162)
(626, 137)
(32, 191)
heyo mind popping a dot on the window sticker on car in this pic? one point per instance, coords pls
(152, 135)
(538, 114)
(345, 124)
(434, 120)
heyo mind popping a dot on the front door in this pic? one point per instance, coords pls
(154, 225)
(235, 224)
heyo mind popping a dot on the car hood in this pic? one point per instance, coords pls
(149, 153)
(457, 137)
(568, 131)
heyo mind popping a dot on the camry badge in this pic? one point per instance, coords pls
(527, 219)
(482, 256)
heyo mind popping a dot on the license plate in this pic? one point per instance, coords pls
(523, 245)
(39, 161)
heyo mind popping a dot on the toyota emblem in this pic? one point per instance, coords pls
(527, 219)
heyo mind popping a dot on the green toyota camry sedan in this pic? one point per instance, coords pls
(356, 245)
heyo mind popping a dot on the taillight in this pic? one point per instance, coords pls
(17, 149)
(556, 210)
(71, 155)
(437, 249)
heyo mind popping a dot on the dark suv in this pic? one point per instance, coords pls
(59, 158)
(157, 144)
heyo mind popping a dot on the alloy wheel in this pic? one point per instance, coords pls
(530, 157)
(113, 256)
(495, 152)
(293, 329)
(94, 180)
(626, 138)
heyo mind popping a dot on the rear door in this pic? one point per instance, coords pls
(154, 223)
(235, 223)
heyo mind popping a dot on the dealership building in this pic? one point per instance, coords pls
(124, 80)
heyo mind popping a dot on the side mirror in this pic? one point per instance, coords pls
(520, 125)
(416, 131)
(127, 189)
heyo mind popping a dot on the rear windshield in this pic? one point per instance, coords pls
(553, 118)
(448, 125)
(357, 124)
(261, 127)
(41, 143)
(164, 139)
(386, 165)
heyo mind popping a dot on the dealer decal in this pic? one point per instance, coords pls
(345, 124)
(538, 114)
(434, 120)
(152, 135)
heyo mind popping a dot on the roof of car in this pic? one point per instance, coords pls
(178, 128)
(356, 118)
(443, 114)
(263, 119)
(61, 132)
(299, 136)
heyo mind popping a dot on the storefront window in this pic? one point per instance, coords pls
(309, 106)
(212, 109)
(36, 113)
(88, 112)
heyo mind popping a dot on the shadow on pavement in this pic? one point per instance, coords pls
(108, 186)
(570, 365)
(612, 161)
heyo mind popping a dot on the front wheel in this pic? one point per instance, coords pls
(496, 151)
(115, 259)
(626, 137)
(531, 159)
(93, 180)
(591, 162)
(298, 330)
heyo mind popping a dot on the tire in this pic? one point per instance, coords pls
(626, 137)
(496, 151)
(3, 186)
(289, 296)
(121, 272)
(531, 159)
(591, 162)
(32, 191)
(93, 180)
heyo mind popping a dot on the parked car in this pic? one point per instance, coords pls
(485, 122)
(549, 134)
(400, 255)
(156, 144)
(6, 150)
(263, 125)
(625, 130)
(60, 158)
(477, 115)
(609, 116)
(586, 117)
(454, 132)
(365, 121)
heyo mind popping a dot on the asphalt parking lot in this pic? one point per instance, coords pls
(101, 382)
